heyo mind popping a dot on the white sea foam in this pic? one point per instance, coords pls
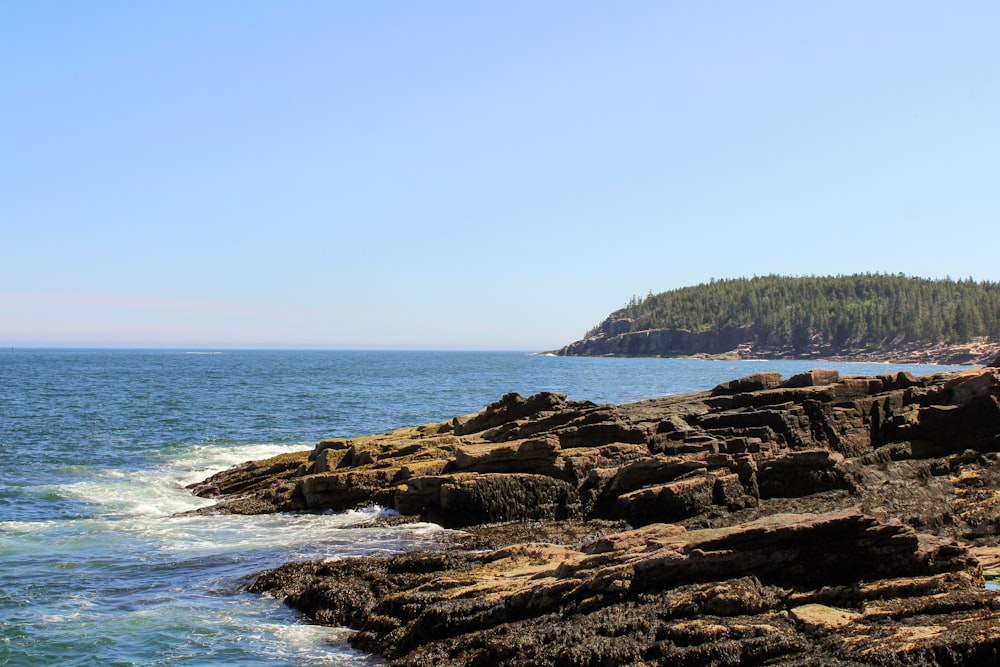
(203, 461)
(153, 506)
(302, 536)
(60, 618)
(329, 647)
(277, 631)
(141, 493)
(140, 522)
(161, 491)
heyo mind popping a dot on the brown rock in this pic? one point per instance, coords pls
(497, 497)
(789, 442)
(330, 443)
(510, 408)
(672, 501)
(329, 459)
(661, 594)
(749, 383)
(649, 471)
(342, 490)
(821, 617)
(797, 474)
(812, 378)
(534, 455)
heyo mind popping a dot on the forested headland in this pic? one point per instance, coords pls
(853, 315)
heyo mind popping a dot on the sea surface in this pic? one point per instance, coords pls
(100, 563)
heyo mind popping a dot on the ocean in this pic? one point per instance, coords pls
(100, 563)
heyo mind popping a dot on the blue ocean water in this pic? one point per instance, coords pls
(99, 564)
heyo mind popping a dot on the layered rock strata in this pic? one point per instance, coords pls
(837, 588)
(620, 339)
(815, 519)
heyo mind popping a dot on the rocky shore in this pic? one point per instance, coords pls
(815, 519)
(619, 340)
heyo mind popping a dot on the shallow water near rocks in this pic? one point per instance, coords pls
(100, 565)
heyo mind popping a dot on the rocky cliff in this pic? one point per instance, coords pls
(621, 338)
(623, 341)
(815, 519)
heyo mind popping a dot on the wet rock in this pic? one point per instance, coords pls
(802, 473)
(791, 588)
(342, 490)
(494, 497)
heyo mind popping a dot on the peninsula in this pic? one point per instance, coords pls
(863, 317)
(809, 520)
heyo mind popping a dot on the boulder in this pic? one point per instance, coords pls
(812, 378)
(511, 407)
(748, 383)
(537, 455)
(730, 492)
(344, 490)
(978, 385)
(328, 459)
(330, 443)
(665, 503)
(650, 471)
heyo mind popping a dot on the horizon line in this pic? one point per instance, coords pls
(222, 348)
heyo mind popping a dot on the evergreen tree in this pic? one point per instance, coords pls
(862, 310)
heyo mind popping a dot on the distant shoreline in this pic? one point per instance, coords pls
(967, 354)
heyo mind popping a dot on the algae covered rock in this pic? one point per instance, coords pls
(838, 588)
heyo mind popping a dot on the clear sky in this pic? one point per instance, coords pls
(473, 175)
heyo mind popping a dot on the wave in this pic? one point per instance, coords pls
(162, 490)
(201, 461)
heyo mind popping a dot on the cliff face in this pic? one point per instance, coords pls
(658, 342)
(618, 338)
(806, 520)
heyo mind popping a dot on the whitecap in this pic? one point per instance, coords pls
(142, 493)
(203, 461)
(162, 491)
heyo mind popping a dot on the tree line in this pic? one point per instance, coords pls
(868, 310)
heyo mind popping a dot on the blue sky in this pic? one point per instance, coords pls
(448, 175)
